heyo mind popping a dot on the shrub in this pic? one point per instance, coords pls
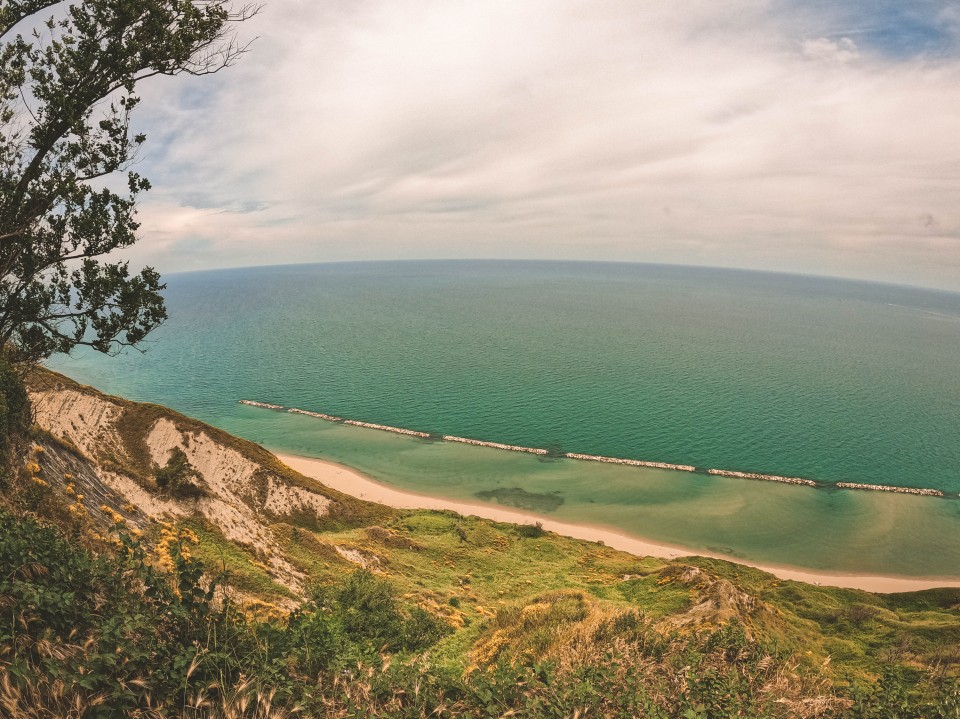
(531, 531)
(14, 416)
(179, 478)
(366, 611)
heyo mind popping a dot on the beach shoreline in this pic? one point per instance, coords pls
(350, 481)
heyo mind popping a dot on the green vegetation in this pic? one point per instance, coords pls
(415, 613)
(241, 567)
(116, 634)
(14, 415)
(67, 90)
(178, 477)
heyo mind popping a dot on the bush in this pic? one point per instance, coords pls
(531, 531)
(110, 633)
(179, 478)
(14, 416)
(366, 613)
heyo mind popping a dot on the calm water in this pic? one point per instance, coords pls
(827, 379)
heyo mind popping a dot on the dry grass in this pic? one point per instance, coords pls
(50, 698)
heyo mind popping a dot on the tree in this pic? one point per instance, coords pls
(67, 85)
(178, 477)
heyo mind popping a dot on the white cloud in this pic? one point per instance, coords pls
(596, 130)
(824, 49)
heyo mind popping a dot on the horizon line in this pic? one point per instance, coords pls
(536, 260)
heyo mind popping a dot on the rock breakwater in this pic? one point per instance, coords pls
(263, 405)
(630, 462)
(763, 477)
(387, 428)
(887, 488)
(600, 458)
(495, 445)
(318, 415)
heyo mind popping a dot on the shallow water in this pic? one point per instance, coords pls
(827, 379)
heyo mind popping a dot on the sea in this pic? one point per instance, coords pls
(827, 379)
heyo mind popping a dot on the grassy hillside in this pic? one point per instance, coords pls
(134, 583)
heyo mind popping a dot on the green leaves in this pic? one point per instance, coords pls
(178, 477)
(363, 612)
(66, 98)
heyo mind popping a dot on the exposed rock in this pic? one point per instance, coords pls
(285, 499)
(364, 559)
(86, 420)
(717, 601)
(242, 497)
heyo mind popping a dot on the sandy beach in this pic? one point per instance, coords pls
(349, 481)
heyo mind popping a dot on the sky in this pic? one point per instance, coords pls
(818, 137)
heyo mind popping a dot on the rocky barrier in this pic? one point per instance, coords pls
(263, 405)
(600, 458)
(495, 445)
(318, 415)
(762, 477)
(387, 428)
(887, 488)
(630, 462)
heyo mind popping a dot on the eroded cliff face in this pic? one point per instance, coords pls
(110, 449)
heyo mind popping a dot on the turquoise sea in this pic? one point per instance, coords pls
(829, 379)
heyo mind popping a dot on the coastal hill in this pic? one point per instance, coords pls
(287, 593)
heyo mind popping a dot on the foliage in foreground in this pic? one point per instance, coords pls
(121, 634)
(126, 633)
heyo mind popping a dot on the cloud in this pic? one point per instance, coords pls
(823, 49)
(738, 133)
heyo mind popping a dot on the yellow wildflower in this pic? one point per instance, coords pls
(171, 537)
(115, 516)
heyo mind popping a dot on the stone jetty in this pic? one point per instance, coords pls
(263, 405)
(495, 445)
(898, 490)
(318, 415)
(387, 428)
(600, 458)
(630, 462)
(762, 477)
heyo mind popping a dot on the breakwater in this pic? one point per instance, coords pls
(630, 462)
(267, 405)
(318, 415)
(600, 458)
(763, 477)
(388, 428)
(887, 488)
(494, 445)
